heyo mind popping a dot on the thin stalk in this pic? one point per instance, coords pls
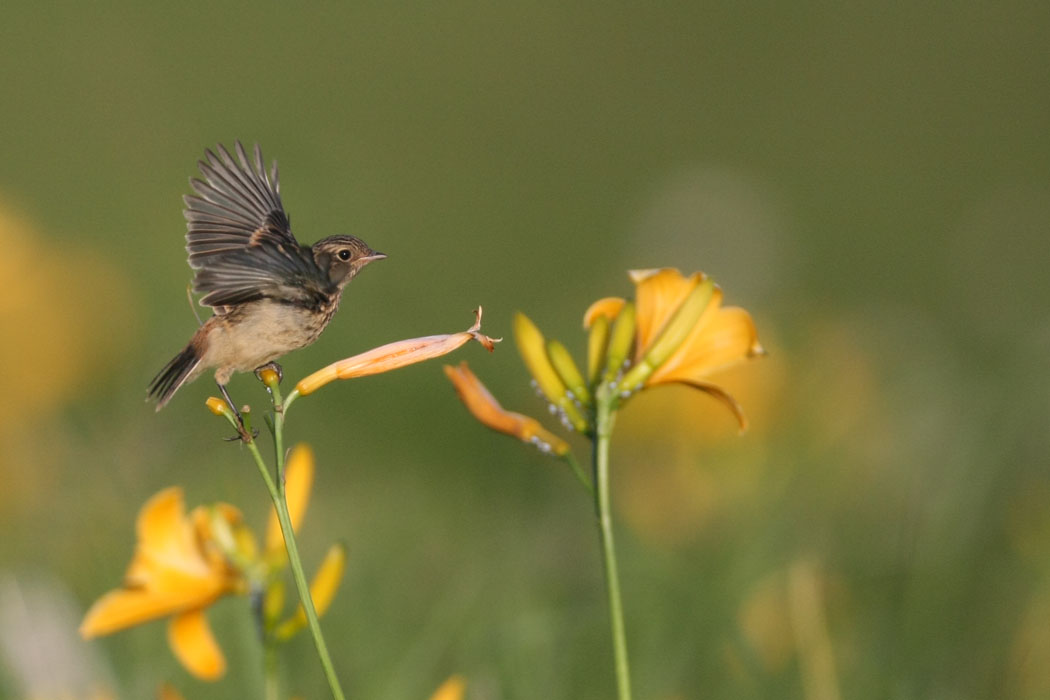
(603, 430)
(271, 687)
(578, 471)
(277, 495)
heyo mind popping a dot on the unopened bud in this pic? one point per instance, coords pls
(569, 373)
(621, 336)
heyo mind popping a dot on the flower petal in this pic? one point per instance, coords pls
(323, 588)
(722, 337)
(658, 295)
(394, 356)
(123, 608)
(607, 308)
(723, 396)
(488, 411)
(298, 478)
(166, 540)
(452, 689)
(194, 645)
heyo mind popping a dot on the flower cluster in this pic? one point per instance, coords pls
(184, 562)
(674, 331)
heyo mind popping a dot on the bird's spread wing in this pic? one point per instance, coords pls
(239, 237)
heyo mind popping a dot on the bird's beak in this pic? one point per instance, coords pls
(373, 256)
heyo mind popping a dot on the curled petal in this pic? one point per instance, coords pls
(607, 308)
(723, 397)
(488, 411)
(394, 356)
(298, 479)
(658, 295)
(194, 645)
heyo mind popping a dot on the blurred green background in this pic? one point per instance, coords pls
(872, 182)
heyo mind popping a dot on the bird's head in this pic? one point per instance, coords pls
(342, 257)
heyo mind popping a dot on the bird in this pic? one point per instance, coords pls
(268, 293)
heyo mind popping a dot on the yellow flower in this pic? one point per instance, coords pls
(452, 689)
(682, 333)
(177, 571)
(185, 562)
(487, 410)
(394, 356)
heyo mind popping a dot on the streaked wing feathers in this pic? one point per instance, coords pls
(238, 235)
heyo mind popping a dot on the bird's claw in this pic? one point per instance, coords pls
(242, 435)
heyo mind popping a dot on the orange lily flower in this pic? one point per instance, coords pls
(184, 562)
(682, 333)
(484, 406)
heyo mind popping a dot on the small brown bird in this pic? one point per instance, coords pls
(269, 294)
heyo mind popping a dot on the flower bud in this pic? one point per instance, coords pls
(620, 339)
(533, 350)
(597, 341)
(567, 370)
(217, 406)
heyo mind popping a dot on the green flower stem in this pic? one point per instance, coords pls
(270, 687)
(277, 495)
(603, 430)
(578, 471)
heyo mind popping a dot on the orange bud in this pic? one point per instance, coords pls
(217, 406)
(487, 410)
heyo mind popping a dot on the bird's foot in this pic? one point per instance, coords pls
(271, 366)
(243, 435)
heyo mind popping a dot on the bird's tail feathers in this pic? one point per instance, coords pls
(174, 375)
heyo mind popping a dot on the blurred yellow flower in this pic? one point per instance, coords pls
(488, 411)
(451, 689)
(185, 562)
(394, 356)
(177, 571)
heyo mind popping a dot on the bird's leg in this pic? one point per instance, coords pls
(242, 432)
(269, 365)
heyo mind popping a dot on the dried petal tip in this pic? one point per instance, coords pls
(486, 342)
(217, 406)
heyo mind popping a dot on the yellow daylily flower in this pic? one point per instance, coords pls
(176, 572)
(683, 334)
(488, 411)
(184, 562)
(395, 355)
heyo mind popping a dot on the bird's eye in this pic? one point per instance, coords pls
(344, 254)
